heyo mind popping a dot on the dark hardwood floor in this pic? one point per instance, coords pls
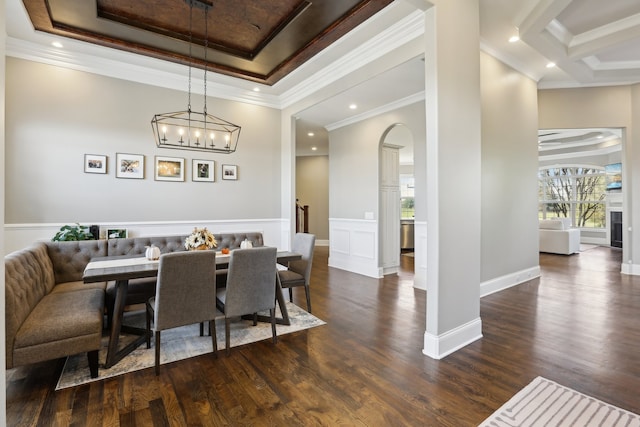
(579, 325)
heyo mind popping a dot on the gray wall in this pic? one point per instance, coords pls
(509, 240)
(312, 188)
(353, 162)
(509, 168)
(57, 115)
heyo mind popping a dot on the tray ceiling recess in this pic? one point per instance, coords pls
(260, 41)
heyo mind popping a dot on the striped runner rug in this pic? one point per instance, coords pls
(546, 403)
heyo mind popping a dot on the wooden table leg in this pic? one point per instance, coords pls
(114, 355)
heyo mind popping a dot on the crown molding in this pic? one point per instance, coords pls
(131, 67)
(511, 62)
(400, 33)
(411, 99)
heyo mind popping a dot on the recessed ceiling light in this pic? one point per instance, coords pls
(256, 89)
(57, 44)
(353, 106)
(311, 134)
(314, 148)
(551, 64)
(513, 39)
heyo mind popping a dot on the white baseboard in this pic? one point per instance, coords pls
(594, 241)
(630, 269)
(508, 280)
(438, 347)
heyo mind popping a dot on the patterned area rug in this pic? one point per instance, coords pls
(181, 343)
(546, 403)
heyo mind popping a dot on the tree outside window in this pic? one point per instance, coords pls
(407, 197)
(576, 192)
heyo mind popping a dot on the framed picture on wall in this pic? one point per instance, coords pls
(203, 170)
(117, 233)
(230, 172)
(95, 163)
(169, 168)
(129, 166)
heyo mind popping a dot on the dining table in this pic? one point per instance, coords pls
(121, 269)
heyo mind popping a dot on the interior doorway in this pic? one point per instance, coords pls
(396, 201)
(581, 178)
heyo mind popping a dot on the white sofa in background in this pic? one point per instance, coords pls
(557, 236)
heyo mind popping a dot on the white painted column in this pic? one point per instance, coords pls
(3, 384)
(453, 114)
(630, 185)
(287, 178)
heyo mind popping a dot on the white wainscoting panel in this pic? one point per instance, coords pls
(19, 236)
(353, 246)
(420, 255)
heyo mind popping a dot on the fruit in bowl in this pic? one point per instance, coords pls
(225, 251)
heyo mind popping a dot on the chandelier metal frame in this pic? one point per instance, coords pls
(189, 130)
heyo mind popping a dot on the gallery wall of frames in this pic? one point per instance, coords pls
(132, 166)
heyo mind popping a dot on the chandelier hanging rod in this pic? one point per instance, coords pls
(189, 130)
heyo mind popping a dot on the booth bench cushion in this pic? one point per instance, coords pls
(41, 324)
(63, 323)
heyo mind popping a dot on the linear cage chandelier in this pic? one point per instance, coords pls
(189, 130)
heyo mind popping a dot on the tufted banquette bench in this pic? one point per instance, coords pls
(51, 313)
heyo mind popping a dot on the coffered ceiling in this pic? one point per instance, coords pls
(591, 42)
(260, 41)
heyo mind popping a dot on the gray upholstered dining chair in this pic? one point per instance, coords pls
(251, 287)
(185, 294)
(298, 273)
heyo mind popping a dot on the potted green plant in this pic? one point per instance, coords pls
(73, 233)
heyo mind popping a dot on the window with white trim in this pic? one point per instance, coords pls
(573, 191)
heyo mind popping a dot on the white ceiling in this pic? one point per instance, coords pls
(592, 43)
(563, 144)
